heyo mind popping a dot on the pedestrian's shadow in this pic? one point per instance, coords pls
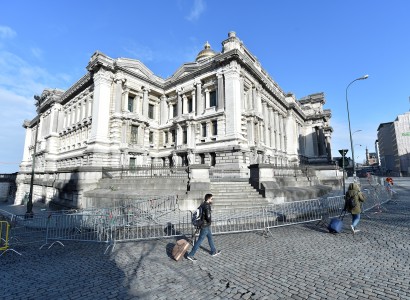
(320, 226)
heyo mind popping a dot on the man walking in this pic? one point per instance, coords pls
(205, 229)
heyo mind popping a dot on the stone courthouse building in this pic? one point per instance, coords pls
(222, 110)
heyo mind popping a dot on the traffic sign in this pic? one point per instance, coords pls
(345, 164)
(343, 152)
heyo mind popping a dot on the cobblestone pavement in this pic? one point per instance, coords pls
(294, 262)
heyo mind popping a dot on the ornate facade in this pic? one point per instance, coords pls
(223, 110)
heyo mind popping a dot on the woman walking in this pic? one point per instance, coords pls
(353, 204)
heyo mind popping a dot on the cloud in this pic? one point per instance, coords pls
(6, 32)
(37, 52)
(141, 53)
(22, 78)
(198, 8)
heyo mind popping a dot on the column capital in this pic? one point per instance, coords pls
(103, 77)
(120, 79)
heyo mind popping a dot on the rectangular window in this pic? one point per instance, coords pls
(131, 103)
(189, 105)
(166, 137)
(173, 135)
(214, 127)
(203, 129)
(151, 111)
(202, 158)
(213, 159)
(132, 163)
(151, 137)
(174, 110)
(212, 98)
(184, 137)
(134, 134)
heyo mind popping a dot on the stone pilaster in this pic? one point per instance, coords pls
(164, 110)
(145, 102)
(193, 102)
(179, 104)
(207, 105)
(199, 99)
(118, 95)
(233, 101)
(221, 92)
(184, 104)
(101, 109)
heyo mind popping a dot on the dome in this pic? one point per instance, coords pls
(206, 53)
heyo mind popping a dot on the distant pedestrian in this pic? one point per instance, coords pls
(389, 186)
(359, 198)
(205, 230)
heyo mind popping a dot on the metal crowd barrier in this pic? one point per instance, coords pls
(157, 218)
(4, 236)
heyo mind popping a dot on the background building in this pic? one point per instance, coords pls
(394, 145)
(223, 110)
(371, 158)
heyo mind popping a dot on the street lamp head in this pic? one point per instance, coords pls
(364, 77)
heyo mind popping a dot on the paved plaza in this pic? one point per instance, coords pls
(292, 262)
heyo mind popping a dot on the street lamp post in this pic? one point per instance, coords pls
(29, 211)
(357, 157)
(348, 119)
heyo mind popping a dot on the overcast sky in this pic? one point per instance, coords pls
(306, 47)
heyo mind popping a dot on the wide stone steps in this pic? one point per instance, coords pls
(235, 194)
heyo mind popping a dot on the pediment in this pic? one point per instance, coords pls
(185, 70)
(136, 67)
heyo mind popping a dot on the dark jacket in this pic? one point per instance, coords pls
(206, 214)
(359, 198)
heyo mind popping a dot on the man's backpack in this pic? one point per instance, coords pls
(197, 218)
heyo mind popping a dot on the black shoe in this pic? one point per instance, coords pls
(216, 253)
(191, 258)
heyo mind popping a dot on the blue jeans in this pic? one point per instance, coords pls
(205, 232)
(355, 220)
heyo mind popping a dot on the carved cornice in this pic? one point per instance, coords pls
(79, 86)
(98, 60)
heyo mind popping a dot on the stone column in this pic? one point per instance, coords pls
(259, 100)
(280, 128)
(266, 121)
(276, 124)
(145, 102)
(251, 132)
(283, 130)
(199, 100)
(101, 108)
(27, 143)
(124, 99)
(179, 135)
(233, 101)
(221, 92)
(207, 105)
(185, 104)
(89, 106)
(179, 104)
(272, 128)
(243, 94)
(118, 95)
(193, 102)
(170, 111)
(190, 136)
(291, 137)
(254, 99)
(164, 110)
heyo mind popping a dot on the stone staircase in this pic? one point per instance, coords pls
(238, 194)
